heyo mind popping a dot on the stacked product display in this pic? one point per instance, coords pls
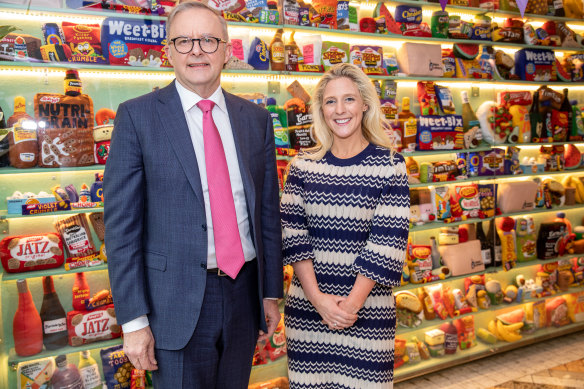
(486, 106)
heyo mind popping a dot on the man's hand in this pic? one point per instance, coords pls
(139, 347)
(272, 318)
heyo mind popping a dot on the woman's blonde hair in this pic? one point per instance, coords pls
(373, 122)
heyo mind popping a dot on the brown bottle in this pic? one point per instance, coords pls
(293, 55)
(19, 111)
(53, 316)
(277, 55)
(72, 83)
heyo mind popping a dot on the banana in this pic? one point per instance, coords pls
(507, 335)
(567, 181)
(514, 327)
(492, 327)
(579, 187)
(487, 336)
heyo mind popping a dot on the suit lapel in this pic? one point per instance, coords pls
(241, 137)
(174, 124)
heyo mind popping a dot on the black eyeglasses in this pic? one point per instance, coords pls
(207, 44)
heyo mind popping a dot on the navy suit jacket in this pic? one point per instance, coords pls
(156, 233)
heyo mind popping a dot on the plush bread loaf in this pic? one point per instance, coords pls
(408, 301)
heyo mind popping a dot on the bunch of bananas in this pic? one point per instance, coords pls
(506, 332)
(576, 183)
(573, 9)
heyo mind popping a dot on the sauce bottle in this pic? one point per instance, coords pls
(27, 328)
(293, 55)
(89, 371)
(80, 292)
(53, 317)
(486, 246)
(535, 119)
(407, 121)
(19, 111)
(497, 249)
(450, 337)
(72, 83)
(277, 60)
(66, 376)
(4, 145)
(470, 122)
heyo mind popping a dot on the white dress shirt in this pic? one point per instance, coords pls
(194, 117)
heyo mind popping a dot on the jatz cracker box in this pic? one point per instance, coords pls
(133, 42)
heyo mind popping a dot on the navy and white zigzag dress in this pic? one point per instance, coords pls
(349, 216)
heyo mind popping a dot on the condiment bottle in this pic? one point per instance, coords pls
(436, 258)
(53, 317)
(408, 126)
(66, 376)
(497, 250)
(19, 111)
(4, 144)
(89, 371)
(293, 55)
(470, 122)
(277, 60)
(27, 328)
(535, 119)
(80, 292)
(72, 83)
(486, 246)
(450, 337)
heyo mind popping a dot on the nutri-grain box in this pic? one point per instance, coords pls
(132, 42)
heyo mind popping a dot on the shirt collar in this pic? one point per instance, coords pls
(189, 99)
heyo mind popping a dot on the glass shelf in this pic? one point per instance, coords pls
(440, 224)
(411, 285)
(13, 358)
(568, 142)
(5, 215)
(482, 147)
(13, 170)
(493, 308)
(409, 371)
(466, 180)
(542, 210)
(85, 13)
(51, 272)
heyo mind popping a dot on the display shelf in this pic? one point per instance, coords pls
(5, 215)
(493, 308)
(13, 170)
(50, 272)
(542, 210)
(570, 171)
(568, 142)
(440, 224)
(411, 285)
(394, 37)
(534, 262)
(409, 371)
(482, 147)
(13, 358)
(27, 10)
(470, 179)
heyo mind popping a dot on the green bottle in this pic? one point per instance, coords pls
(89, 371)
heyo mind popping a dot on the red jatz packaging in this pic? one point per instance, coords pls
(92, 326)
(31, 252)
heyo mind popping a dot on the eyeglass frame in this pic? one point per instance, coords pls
(219, 40)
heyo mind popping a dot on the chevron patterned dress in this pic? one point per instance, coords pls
(349, 216)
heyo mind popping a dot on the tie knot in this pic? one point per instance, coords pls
(205, 105)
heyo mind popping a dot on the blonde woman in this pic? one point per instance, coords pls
(345, 212)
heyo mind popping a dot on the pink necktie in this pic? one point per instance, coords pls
(228, 248)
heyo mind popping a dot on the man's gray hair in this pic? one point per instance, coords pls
(196, 5)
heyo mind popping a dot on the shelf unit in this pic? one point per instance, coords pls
(47, 72)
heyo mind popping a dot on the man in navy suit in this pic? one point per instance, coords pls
(182, 316)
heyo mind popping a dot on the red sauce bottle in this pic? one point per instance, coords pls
(80, 292)
(27, 328)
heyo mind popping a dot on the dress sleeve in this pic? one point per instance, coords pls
(295, 238)
(383, 255)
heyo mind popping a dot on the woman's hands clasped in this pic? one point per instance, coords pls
(333, 311)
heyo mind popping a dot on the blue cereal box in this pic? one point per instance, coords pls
(408, 14)
(535, 64)
(134, 42)
(440, 132)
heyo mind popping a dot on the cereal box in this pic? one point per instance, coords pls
(133, 42)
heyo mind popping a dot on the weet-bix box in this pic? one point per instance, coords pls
(133, 42)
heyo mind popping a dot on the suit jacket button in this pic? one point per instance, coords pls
(204, 227)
